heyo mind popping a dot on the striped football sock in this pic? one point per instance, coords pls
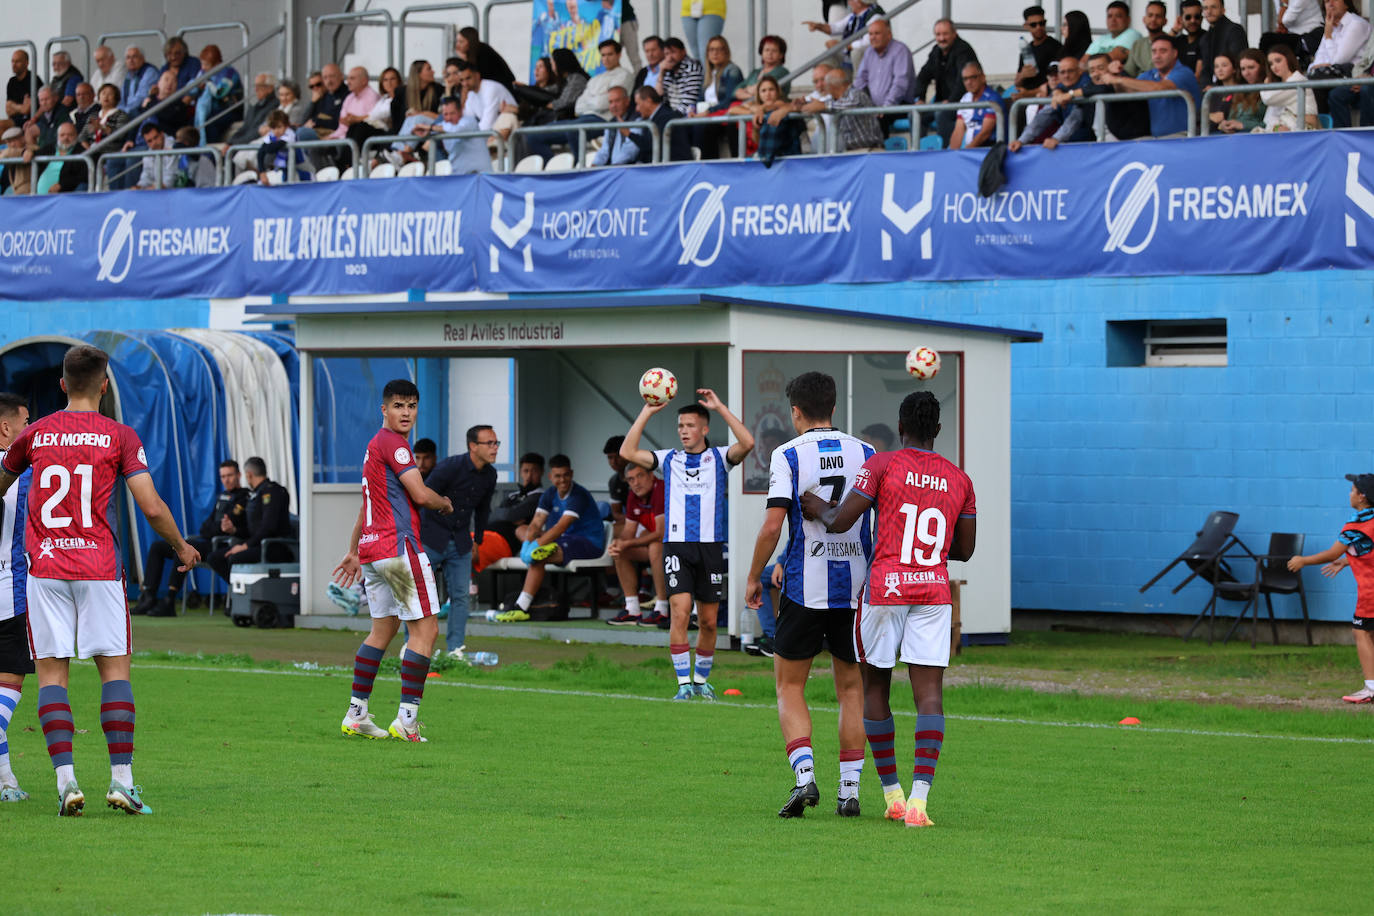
(851, 768)
(9, 698)
(55, 716)
(802, 760)
(414, 670)
(704, 660)
(930, 734)
(117, 721)
(365, 665)
(682, 662)
(881, 737)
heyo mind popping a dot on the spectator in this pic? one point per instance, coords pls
(426, 452)
(1117, 43)
(107, 120)
(944, 69)
(1077, 33)
(702, 20)
(65, 78)
(218, 96)
(255, 112)
(516, 508)
(269, 516)
(573, 80)
(815, 101)
(360, 101)
(1225, 72)
(976, 126)
(422, 96)
(18, 104)
(1124, 120)
(594, 100)
(653, 62)
(51, 113)
(157, 171)
(1155, 18)
(1187, 33)
(532, 98)
(856, 132)
(639, 540)
(1281, 105)
(1168, 117)
(617, 488)
(465, 155)
(290, 103)
(491, 65)
(878, 435)
(1301, 26)
(1343, 98)
(886, 72)
(778, 135)
(64, 144)
(272, 153)
(453, 84)
(15, 178)
(174, 116)
(108, 70)
(860, 12)
(1061, 121)
(1222, 37)
(617, 146)
(468, 481)
(1038, 52)
(722, 76)
(194, 170)
(566, 527)
(1245, 110)
(388, 110)
(227, 518)
(650, 107)
(485, 102)
(629, 34)
(179, 61)
(322, 119)
(86, 106)
(819, 91)
(773, 55)
(680, 79)
(1344, 35)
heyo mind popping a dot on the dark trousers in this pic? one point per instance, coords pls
(158, 555)
(221, 564)
(1344, 99)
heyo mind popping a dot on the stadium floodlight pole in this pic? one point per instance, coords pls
(839, 47)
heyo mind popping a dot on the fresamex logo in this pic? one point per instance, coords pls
(703, 221)
(511, 235)
(115, 247)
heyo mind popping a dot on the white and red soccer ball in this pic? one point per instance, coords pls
(657, 386)
(923, 363)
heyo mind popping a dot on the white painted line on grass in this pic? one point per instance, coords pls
(995, 720)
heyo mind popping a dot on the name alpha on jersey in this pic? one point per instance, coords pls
(927, 482)
(99, 440)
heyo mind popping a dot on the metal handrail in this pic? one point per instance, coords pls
(294, 145)
(63, 39)
(1099, 101)
(486, 15)
(91, 176)
(740, 119)
(432, 154)
(840, 47)
(361, 17)
(582, 129)
(212, 151)
(133, 33)
(655, 140)
(1300, 85)
(432, 8)
(217, 27)
(914, 111)
(226, 178)
(33, 71)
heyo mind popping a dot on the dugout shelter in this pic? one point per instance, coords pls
(561, 375)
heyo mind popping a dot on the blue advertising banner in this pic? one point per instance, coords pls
(1250, 204)
(578, 25)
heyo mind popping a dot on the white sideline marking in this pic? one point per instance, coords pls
(997, 720)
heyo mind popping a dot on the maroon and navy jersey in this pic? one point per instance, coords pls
(646, 512)
(390, 519)
(919, 496)
(78, 457)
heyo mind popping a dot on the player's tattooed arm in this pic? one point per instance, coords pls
(835, 517)
(744, 439)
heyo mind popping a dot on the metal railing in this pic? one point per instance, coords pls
(841, 47)
(433, 8)
(91, 171)
(914, 111)
(103, 37)
(294, 145)
(655, 140)
(211, 151)
(33, 69)
(360, 18)
(242, 28)
(1100, 101)
(486, 14)
(1301, 85)
(432, 153)
(743, 120)
(61, 40)
(564, 127)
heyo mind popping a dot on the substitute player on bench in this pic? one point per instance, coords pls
(696, 526)
(385, 551)
(925, 509)
(76, 576)
(14, 643)
(823, 575)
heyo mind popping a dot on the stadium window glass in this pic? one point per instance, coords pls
(766, 411)
(880, 383)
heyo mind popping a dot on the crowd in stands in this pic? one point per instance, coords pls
(692, 79)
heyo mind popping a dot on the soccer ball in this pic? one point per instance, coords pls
(657, 386)
(923, 363)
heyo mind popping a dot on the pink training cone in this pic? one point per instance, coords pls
(1129, 720)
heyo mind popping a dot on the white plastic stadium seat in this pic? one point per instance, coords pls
(531, 163)
(560, 162)
(246, 178)
(443, 167)
(346, 174)
(328, 173)
(412, 170)
(587, 160)
(385, 170)
(275, 177)
(696, 152)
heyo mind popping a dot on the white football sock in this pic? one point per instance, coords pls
(524, 601)
(661, 606)
(632, 605)
(65, 774)
(122, 773)
(408, 713)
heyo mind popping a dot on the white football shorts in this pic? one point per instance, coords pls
(917, 634)
(85, 617)
(401, 586)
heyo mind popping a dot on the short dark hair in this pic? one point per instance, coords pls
(879, 431)
(1106, 57)
(425, 447)
(1169, 40)
(229, 463)
(453, 62)
(149, 127)
(674, 43)
(649, 94)
(1161, 4)
(83, 368)
(919, 416)
(1032, 11)
(400, 387)
(609, 41)
(533, 458)
(612, 446)
(560, 461)
(695, 409)
(450, 100)
(1120, 5)
(813, 393)
(1187, 3)
(474, 432)
(256, 466)
(655, 39)
(10, 403)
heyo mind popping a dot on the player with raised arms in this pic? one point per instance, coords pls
(695, 526)
(823, 576)
(76, 595)
(926, 517)
(14, 643)
(385, 552)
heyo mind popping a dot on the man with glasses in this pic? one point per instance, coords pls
(468, 481)
(1187, 33)
(1063, 121)
(976, 126)
(1037, 53)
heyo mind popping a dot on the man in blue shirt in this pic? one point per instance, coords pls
(1168, 117)
(567, 526)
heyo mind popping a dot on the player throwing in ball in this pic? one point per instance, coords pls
(76, 598)
(695, 519)
(385, 552)
(926, 516)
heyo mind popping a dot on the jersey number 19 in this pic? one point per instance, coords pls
(927, 526)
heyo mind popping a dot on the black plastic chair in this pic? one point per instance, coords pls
(1273, 578)
(1206, 558)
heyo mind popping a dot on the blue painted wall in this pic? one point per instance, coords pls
(27, 319)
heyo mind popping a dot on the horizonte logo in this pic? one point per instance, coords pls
(37, 243)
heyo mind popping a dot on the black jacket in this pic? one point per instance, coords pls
(470, 492)
(231, 503)
(679, 150)
(269, 513)
(946, 70)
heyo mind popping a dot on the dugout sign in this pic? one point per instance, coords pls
(1301, 201)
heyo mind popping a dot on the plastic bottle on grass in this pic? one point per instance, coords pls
(482, 659)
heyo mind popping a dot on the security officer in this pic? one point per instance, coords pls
(269, 516)
(228, 517)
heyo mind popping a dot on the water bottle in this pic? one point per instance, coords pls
(483, 659)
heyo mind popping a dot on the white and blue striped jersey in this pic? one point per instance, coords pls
(820, 570)
(694, 492)
(14, 566)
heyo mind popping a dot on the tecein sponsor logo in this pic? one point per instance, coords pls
(48, 545)
(510, 236)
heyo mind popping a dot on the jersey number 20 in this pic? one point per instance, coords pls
(59, 476)
(927, 526)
